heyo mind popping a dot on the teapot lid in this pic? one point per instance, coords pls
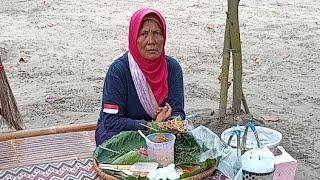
(258, 160)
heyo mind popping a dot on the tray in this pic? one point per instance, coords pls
(104, 175)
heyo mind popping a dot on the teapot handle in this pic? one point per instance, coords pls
(236, 131)
(250, 125)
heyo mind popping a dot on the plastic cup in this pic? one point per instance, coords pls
(162, 152)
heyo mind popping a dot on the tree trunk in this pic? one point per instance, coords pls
(225, 71)
(236, 55)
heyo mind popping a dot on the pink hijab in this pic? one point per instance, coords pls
(155, 71)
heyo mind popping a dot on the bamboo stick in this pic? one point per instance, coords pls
(51, 142)
(148, 127)
(31, 157)
(225, 71)
(52, 145)
(117, 167)
(47, 131)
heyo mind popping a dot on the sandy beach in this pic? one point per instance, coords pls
(68, 45)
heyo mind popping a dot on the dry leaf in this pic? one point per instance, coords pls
(270, 118)
(213, 26)
(258, 60)
(285, 56)
(51, 99)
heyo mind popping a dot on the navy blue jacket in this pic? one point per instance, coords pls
(119, 90)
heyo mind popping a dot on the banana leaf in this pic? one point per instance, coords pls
(117, 146)
(209, 163)
(130, 158)
(154, 125)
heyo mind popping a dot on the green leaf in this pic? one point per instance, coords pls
(209, 163)
(130, 158)
(118, 145)
(155, 125)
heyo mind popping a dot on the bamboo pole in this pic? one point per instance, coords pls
(236, 56)
(47, 131)
(225, 71)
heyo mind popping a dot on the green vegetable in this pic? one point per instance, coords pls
(186, 150)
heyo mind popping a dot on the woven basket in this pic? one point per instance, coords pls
(104, 175)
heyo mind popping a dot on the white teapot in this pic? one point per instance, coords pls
(258, 163)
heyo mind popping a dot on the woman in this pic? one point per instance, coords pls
(142, 85)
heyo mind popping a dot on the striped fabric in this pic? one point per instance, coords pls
(144, 92)
(72, 169)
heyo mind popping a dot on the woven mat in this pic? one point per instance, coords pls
(72, 169)
(56, 156)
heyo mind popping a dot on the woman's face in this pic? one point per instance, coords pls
(150, 40)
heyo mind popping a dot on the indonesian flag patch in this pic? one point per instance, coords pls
(110, 108)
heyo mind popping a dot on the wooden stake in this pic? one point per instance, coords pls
(236, 56)
(232, 44)
(225, 71)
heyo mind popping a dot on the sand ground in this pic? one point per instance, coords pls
(68, 46)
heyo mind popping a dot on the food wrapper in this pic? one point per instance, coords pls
(210, 143)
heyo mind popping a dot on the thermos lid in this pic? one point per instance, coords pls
(258, 160)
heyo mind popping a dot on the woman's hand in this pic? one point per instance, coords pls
(163, 113)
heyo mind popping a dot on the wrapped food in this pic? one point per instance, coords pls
(174, 126)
